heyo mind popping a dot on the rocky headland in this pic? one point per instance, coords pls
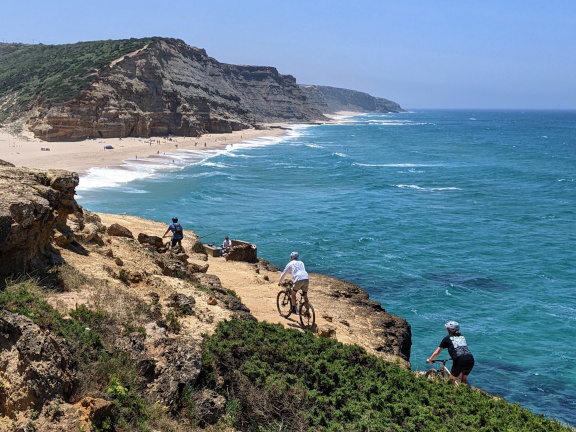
(153, 87)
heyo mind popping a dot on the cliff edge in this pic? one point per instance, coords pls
(119, 298)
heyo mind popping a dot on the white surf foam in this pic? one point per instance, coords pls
(396, 165)
(130, 170)
(416, 187)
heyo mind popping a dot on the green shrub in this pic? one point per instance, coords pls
(101, 366)
(199, 248)
(53, 74)
(285, 377)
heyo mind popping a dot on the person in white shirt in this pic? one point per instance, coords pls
(226, 246)
(299, 276)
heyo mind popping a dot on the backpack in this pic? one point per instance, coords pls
(178, 229)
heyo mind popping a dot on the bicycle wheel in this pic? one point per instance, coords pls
(307, 315)
(432, 374)
(283, 303)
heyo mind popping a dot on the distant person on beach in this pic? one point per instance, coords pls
(226, 246)
(462, 359)
(299, 276)
(177, 233)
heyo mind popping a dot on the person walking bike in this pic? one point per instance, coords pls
(299, 276)
(177, 233)
(462, 359)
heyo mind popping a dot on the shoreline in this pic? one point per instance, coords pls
(80, 156)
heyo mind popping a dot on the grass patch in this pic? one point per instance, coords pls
(102, 368)
(52, 74)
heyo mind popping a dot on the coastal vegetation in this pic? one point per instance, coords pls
(273, 379)
(51, 74)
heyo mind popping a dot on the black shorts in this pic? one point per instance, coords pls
(176, 241)
(462, 366)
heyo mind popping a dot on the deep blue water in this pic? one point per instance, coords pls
(439, 215)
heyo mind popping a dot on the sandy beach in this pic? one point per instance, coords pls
(83, 155)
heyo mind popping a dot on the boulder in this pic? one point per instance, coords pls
(35, 366)
(326, 331)
(197, 268)
(177, 364)
(94, 412)
(182, 303)
(117, 230)
(209, 406)
(242, 251)
(151, 240)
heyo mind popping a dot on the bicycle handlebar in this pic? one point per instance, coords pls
(443, 361)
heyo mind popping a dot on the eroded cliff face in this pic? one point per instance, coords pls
(172, 88)
(33, 204)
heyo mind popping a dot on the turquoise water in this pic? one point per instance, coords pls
(439, 215)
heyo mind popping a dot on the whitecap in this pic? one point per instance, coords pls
(96, 178)
(214, 164)
(396, 165)
(314, 146)
(339, 154)
(403, 186)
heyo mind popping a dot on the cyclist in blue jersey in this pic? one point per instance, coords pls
(462, 359)
(177, 233)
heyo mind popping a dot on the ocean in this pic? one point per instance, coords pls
(439, 215)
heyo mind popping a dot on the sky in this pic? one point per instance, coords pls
(504, 54)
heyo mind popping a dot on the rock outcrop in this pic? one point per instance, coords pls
(35, 366)
(332, 99)
(353, 314)
(33, 204)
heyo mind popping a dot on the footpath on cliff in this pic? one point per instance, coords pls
(343, 309)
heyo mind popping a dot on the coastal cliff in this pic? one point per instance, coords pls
(332, 99)
(153, 87)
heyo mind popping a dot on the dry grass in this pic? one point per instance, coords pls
(120, 305)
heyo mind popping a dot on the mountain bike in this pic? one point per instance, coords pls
(441, 371)
(304, 309)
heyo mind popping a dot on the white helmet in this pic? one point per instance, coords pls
(294, 255)
(453, 326)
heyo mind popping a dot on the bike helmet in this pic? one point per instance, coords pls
(453, 326)
(174, 219)
(294, 255)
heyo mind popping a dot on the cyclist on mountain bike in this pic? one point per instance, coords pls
(462, 359)
(299, 277)
(177, 233)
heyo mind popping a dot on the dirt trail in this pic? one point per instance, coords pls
(341, 307)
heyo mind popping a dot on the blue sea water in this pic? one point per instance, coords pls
(439, 215)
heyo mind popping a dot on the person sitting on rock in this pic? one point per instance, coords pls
(226, 246)
(177, 233)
